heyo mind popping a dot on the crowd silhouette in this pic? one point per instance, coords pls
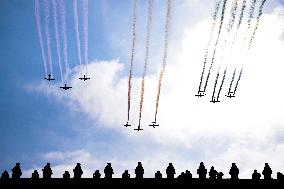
(212, 176)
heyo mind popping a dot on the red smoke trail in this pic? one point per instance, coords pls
(76, 22)
(39, 32)
(216, 10)
(47, 33)
(55, 19)
(221, 86)
(149, 24)
(260, 12)
(86, 34)
(132, 55)
(64, 35)
(164, 63)
(217, 41)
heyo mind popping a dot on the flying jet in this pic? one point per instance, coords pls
(65, 87)
(127, 125)
(49, 78)
(230, 95)
(154, 125)
(200, 94)
(84, 78)
(214, 100)
(138, 128)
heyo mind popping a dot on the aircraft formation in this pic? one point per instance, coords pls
(234, 13)
(227, 19)
(59, 19)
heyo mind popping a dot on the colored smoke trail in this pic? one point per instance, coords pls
(58, 48)
(233, 78)
(239, 22)
(221, 86)
(148, 35)
(215, 85)
(86, 34)
(132, 56)
(76, 22)
(216, 44)
(47, 33)
(64, 35)
(233, 13)
(164, 63)
(39, 32)
(260, 12)
(240, 75)
(216, 10)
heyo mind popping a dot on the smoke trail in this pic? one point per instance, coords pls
(244, 4)
(217, 41)
(215, 85)
(221, 86)
(233, 78)
(164, 63)
(57, 38)
(37, 17)
(75, 10)
(149, 24)
(233, 13)
(64, 35)
(86, 34)
(132, 55)
(216, 10)
(47, 33)
(240, 75)
(251, 15)
(260, 12)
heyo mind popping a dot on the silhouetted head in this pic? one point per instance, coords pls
(139, 164)
(255, 171)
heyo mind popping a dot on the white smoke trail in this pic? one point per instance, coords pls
(39, 32)
(86, 34)
(76, 24)
(58, 48)
(47, 33)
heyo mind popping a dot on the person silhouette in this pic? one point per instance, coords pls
(255, 175)
(77, 171)
(181, 176)
(220, 176)
(46, 171)
(187, 175)
(158, 175)
(5, 175)
(234, 172)
(66, 175)
(35, 175)
(280, 176)
(267, 172)
(170, 171)
(125, 175)
(201, 171)
(213, 174)
(16, 171)
(139, 171)
(97, 174)
(108, 171)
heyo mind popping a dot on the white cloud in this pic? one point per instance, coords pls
(247, 130)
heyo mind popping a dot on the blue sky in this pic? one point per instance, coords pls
(36, 121)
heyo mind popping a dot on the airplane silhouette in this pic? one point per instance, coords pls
(84, 78)
(230, 95)
(127, 125)
(138, 128)
(200, 94)
(154, 125)
(65, 87)
(214, 100)
(49, 78)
